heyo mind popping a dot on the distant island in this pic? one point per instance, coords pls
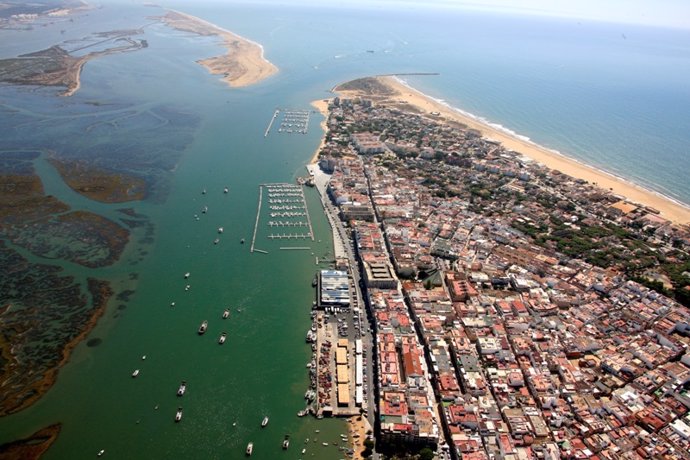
(56, 67)
(243, 65)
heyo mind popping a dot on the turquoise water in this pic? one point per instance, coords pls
(575, 87)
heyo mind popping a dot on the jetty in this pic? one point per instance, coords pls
(256, 222)
(270, 123)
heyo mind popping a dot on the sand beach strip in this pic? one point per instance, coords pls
(243, 65)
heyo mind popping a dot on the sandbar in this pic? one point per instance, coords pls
(243, 65)
(400, 94)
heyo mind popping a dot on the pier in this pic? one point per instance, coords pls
(270, 123)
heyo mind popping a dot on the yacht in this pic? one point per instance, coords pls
(187, 275)
(264, 422)
(182, 388)
(203, 327)
(178, 414)
(250, 448)
(204, 210)
(216, 241)
(226, 313)
(221, 339)
(220, 229)
(226, 190)
(286, 441)
(135, 373)
(101, 452)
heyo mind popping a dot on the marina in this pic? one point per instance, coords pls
(295, 122)
(287, 202)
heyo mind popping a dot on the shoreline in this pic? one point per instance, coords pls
(668, 208)
(243, 64)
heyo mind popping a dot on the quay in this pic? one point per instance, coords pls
(295, 248)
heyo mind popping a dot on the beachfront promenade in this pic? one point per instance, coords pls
(321, 182)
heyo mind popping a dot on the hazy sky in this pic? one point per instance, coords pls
(672, 13)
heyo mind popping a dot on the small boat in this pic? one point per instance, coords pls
(203, 192)
(226, 313)
(314, 282)
(187, 287)
(324, 444)
(304, 451)
(178, 414)
(203, 327)
(226, 190)
(221, 339)
(182, 388)
(204, 210)
(242, 241)
(135, 373)
(187, 275)
(143, 358)
(101, 452)
(250, 448)
(220, 229)
(286, 442)
(216, 241)
(264, 422)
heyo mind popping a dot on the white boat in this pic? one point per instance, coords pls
(178, 414)
(250, 448)
(187, 275)
(226, 190)
(135, 373)
(143, 358)
(304, 451)
(186, 288)
(221, 339)
(264, 422)
(226, 313)
(101, 452)
(220, 229)
(216, 241)
(286, 442)
(182, 388)
(203, 327)
(203, 192)
(204, 209)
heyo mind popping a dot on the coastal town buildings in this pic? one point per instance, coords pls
(507, 321)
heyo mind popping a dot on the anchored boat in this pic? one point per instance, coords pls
(203, 327)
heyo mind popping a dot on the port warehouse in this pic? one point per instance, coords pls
(343, 373)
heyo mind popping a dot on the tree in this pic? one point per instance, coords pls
(426, 454)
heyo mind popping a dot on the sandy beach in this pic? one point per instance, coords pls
(357, 433)
(322, 106)
(397, 91)
(243, 65)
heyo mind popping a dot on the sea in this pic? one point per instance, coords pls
(614, 96)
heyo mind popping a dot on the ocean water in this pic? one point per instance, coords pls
(609, 95)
